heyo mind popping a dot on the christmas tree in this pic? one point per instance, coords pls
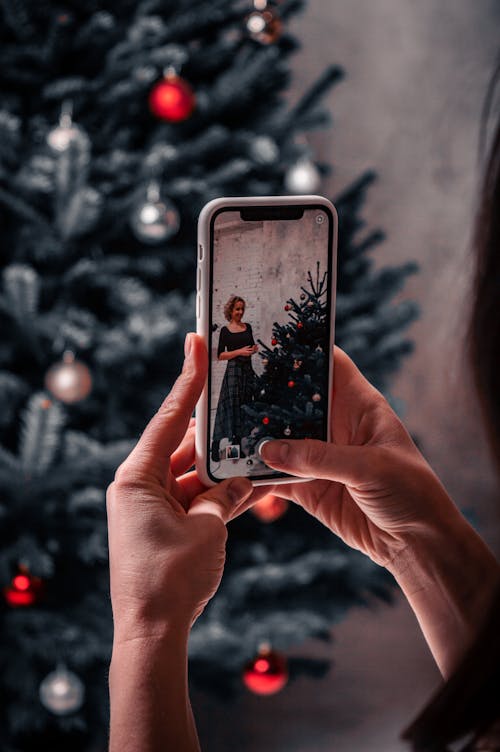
(292, 389)
(118, 122)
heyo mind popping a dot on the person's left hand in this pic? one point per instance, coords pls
(167, 531)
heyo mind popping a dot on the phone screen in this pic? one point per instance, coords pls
(270, 335)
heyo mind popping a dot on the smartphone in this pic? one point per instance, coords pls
(265, 302)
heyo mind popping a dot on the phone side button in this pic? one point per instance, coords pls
(198, 280)
(198, 305)
(200, 251)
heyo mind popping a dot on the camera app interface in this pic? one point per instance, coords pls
(270, 334)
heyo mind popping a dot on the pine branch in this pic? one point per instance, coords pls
(41, 429)
(24, 211)
(21, 286)
(17, 17)
(9, 461)
(331, 76)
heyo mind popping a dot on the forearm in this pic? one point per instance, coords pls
(150, 707)
(229, 355)
(450, 578)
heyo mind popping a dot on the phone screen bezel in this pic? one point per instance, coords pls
(330, 299)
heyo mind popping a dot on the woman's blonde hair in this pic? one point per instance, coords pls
(228, 308)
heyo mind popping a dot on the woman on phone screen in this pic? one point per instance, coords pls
(236, 345)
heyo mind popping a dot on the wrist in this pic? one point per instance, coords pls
(158, 633)
(148, 687)
(447, 549)
(450, 578)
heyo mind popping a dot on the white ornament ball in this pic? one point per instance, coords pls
(154, 222)
(302, 177)
(287, 431)
(70, 380)
(316, 397)
(62, 692)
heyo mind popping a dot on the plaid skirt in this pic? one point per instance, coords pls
(238, 388)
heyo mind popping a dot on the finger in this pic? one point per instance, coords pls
(357, 403)
(258, 493)
(166, 429)
(351, 465)
(175, 490)
(183, 457)
(348, 379)
(191, 484)
(222, 499)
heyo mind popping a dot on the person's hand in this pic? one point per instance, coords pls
(166, 531)
(373, 488)
(247, 350)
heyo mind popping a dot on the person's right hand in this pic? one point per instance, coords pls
(373, 488)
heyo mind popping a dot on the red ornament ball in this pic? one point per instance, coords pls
(269, 508)
(172, 99)
(300, 325)
(288, 307)
(24, 589)
(265, 420)
(291, 384)
(274, 341)
(267, 673)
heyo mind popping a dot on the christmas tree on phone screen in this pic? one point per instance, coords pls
(291, 392)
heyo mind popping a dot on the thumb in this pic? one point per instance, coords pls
(312, 458)
(221, 500)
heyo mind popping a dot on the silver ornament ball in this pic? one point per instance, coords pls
(60, 137)
(62, 692)
(302, 177)
(264, 150)
(154, 222)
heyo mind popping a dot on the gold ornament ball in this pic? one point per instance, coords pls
(70, 380)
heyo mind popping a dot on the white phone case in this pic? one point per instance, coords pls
(202, 312)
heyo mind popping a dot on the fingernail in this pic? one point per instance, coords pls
(238, 488)
(275, 451)
(188, 343)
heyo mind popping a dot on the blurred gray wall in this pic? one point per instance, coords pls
(417, 72)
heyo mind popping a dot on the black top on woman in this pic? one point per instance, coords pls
(236, 345)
